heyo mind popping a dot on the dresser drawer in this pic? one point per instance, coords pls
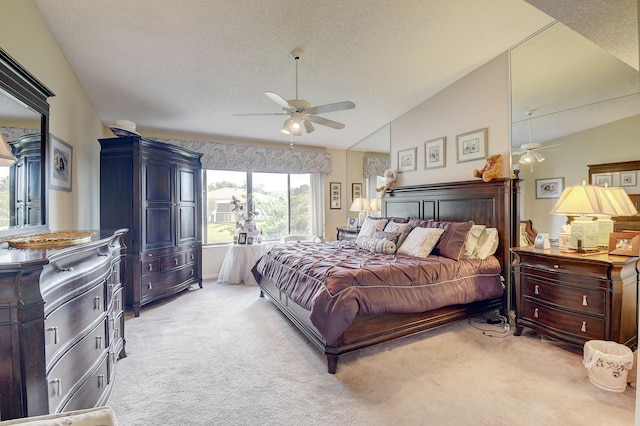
(93, 391)
(158, 285)
(85, 309)
(65, 374)
(578, 299)
(581, 326)
(150, 266)
(559, 272)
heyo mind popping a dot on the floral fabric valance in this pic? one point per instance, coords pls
(375, 166)
(222, 156)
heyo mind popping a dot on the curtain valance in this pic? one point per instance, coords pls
(223, 156)
(375, 166)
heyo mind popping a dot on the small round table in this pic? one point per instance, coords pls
(237, 264)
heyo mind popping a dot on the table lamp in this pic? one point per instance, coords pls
(622, 205)
(375, 204)
(360, 205)
(580, 202)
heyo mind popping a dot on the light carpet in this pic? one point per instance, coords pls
(222, 355)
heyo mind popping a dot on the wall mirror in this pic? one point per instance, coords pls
(24, 124)
(573, 89)
(366, 162)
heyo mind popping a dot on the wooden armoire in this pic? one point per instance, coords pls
(154, 189)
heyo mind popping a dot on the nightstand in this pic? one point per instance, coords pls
(576, 297)
(347, 233)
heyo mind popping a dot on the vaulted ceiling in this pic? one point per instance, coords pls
(189, 66)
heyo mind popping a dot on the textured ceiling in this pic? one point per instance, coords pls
(188, 66)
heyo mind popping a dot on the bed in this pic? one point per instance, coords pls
(325, 308)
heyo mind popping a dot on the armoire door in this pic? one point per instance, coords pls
(158, 205)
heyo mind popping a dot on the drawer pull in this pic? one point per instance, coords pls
(58, 385)
(103, 254)
(55, 334)
(584, 327)
(100, 380)
(149, 286)
(535, 313)
(150, 267)
(117, 304)
(98, 342)
(536, 289)
(191, 256)
(68, 269)
(175, 261)
(584, 300)
(116, 333)
(556, 266)
(192, 272)
(96, 302)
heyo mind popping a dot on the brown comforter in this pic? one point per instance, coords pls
(337, 281)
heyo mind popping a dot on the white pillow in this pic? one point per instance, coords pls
(420, 241)
(487, 244)
(377, 245)
(472, 239)
(370, 226)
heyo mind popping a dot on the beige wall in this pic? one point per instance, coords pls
(480, 99)
(613, 142)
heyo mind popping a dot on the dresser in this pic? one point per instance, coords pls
(61, 325)
(574, 297)
(154, 189)
(347, 233)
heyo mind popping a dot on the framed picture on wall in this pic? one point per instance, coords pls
(549, 188)
(472, 146)
(628, 178)
(434, 153)
(407, 160)
(356, 190)
(335, 195)
(59, 164)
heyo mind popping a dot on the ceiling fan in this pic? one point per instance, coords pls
(301, 113)
(530, 151)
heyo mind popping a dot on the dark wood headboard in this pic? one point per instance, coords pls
(492, 203)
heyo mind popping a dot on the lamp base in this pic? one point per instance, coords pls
(584, 233)
(361, 217)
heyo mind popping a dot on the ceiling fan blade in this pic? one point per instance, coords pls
(278, 99)
(263, 113)
(325, 122)
(338, 106)
(547, 147)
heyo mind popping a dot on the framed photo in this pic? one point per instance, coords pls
(356, 190)
(628, 178)
(407, 160)
(60, 161)
(434, 153)
(549, 188)
(624, 243)
(603, 179)
(472, 146)
(335, 195)
(352, 222)
(242, 238)
(249, 240)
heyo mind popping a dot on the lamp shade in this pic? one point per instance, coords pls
(360, 205)
(6, 155)
(375, 204)
(583, 200)
(620, 201)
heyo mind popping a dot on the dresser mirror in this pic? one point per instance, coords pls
(24, 124)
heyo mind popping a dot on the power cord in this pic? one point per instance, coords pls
(499, 321)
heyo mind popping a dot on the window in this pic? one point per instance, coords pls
(280, 204)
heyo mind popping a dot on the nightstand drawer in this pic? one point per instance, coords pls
(582, 326)
(583, 300)
(561, 272)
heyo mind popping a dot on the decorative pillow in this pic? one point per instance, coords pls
(393, 219)
(391, 236)
(420, 241)
(370, 226)
(377, 245)
(402, 229)
(451, 244)
(487, 244)
(472, 239)
(418, 223)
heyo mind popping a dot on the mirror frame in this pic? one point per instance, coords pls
(16, 81)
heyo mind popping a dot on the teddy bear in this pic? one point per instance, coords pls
(390, 177)
(492, 168)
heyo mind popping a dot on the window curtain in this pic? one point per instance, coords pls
(375, 166)
(317, 204)
(245, 158)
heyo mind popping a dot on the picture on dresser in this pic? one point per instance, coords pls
(242, 238)
(352, 222)
(624, 243)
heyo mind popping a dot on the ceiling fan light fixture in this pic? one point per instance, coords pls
(538, 157)
(286, 127)
(526, 158)
(296, 122)
(308, 126)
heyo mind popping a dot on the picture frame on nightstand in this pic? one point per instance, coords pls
(624, 243)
